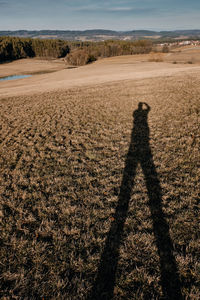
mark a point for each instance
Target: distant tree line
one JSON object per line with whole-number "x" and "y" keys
{"x": 86, "y": 52}
{"x": 12, "y": 48}
{"x": 75, "y": 53}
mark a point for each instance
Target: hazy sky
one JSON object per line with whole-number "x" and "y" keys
{"x": 99, "y": 14}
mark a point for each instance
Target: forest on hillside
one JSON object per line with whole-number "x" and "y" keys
{"x": 76, "y": 53}
{"x": 12, "y": 48}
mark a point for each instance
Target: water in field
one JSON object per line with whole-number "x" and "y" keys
{"x": 14, "y": 77}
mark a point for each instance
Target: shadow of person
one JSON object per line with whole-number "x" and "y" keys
{"x": 139, "y": 153}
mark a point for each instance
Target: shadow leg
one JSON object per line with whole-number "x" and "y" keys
{"x": 104, "y": 285}
{"x": 170, "y": 281}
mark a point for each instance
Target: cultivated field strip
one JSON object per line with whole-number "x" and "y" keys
{"x": 62, "y": 160}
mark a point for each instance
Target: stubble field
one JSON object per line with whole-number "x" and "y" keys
{"x": 85, "y": 215}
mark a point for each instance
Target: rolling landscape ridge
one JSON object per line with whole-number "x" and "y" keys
{"x": 100, "y": 34}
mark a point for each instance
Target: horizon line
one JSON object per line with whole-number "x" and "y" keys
{"x": 101, "y": 29}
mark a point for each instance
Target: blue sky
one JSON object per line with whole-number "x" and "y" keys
{"x": 101, "y": 14}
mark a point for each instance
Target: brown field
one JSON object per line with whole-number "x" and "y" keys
{"x": 31, "y": 66}
{"x": 184, "y": 55}
{"x": 103, "y": 71}
{"x": 100, "y": 199}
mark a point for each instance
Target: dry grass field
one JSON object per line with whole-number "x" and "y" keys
{"x": 184, "y": 55}
{"x": 103, "y": 71}
{"x": 31, "y": 66}
{"x": 99, "y": 192}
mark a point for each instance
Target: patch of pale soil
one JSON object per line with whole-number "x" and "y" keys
{"x": 103, "y": 71}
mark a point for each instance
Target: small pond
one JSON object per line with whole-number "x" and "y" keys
{"x": 14, "y": 77}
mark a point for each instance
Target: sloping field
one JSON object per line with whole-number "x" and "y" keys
{"x": 103, "y": 71}
{"x": 30, "y": 66}
{"x": 188, "y": 54}
{"x": 100, "y": 194}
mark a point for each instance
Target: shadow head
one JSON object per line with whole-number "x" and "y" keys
{"x": 140, "y": 104}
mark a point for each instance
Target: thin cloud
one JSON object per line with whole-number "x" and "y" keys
{"x": 3, "y": 3}
{"x": 120, "y": 9}
{"x": 113, "y": 10}
{"x": 109, "y": 14}
{"x": 132, "y": 10}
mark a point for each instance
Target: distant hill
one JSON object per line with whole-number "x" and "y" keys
{"x": 101, "y": 35}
